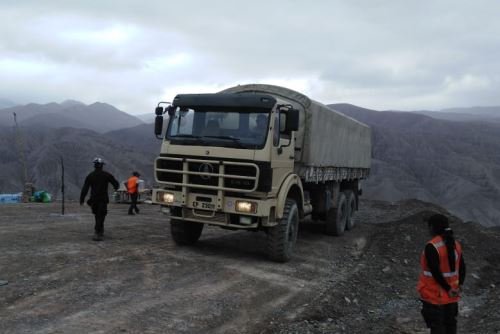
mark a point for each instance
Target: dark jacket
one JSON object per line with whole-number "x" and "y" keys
{"x": 98, "y": 182}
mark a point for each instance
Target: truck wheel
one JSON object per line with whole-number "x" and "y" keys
{"x": 336, "y": 217}
{"x": 351, "y": 209}
{"x": 281, "y": 238}
{"x": 184, "y": 232}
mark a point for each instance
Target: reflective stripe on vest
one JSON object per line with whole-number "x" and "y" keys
{"x": 453, "y": 273}
{"x": 438, "y": 244}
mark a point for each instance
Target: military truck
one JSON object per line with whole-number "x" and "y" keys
{"x": 258, "y": 157}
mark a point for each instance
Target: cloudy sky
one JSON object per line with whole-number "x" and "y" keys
{"x": 380, "y": 54}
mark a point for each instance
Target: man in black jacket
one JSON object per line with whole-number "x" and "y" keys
{"x": 98, "y": 182}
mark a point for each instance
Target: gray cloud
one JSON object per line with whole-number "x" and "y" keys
{"x": 381, "y": 54}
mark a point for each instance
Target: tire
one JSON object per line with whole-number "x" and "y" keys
{"x": 336, "y": 217}
{"x": 351, "y": 209}
{"x": 281, "y": 238}
{"x": 184, "y": 232}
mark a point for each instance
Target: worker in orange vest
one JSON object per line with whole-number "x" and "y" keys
{"x": 132, "y": 185}
{"x": 441, "y": 278}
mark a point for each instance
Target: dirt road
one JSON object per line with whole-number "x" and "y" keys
{"x": 139, "y": 281}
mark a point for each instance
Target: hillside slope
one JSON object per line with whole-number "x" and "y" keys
{"x": 140, "y": 137}
{"x": 44, "y": 147}
{"x": 453, "y": 164}
{"x": 378, "y": 291}
{"x": 100, "y": 117}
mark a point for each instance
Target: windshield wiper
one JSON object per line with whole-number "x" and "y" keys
{"x": 186, "y": 136}
{"x": 234, "y": 139}
{"x": 195, "y": 139}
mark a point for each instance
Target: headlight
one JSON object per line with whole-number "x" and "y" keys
{"x": 244, "y": 206}
{"x": 165, "y": 197}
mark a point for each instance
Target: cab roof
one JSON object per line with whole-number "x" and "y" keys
{"x": 241, "y": 100}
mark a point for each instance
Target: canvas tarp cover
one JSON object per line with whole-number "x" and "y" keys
{"x": 326, "y": 138}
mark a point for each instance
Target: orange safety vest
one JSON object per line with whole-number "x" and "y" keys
{"x": 430, "y": 291}
{"x": 132, "y": 184}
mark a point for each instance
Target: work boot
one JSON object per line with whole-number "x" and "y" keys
{"x": 97, "y": 237}
{"x": 136, "y": 210}
{"x": 131, "y": 213}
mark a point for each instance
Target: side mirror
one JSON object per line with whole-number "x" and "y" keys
{"x": 171, "y": 110}
{"x": 159, "y": 111}
{"x": 158, "y": 126}
{"x": 283, "y": 122}
{"x": 292, "y": 120}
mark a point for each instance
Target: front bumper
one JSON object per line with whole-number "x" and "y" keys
{"x": 214, "y": 210}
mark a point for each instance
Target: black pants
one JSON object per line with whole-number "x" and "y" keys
{"x": 100, "y": 210}
{"x": 133, "y": 204}
{"x": 441, "y": 319}
{"x": 99, "y": 223}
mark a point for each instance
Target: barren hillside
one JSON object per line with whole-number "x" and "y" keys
{"x": 453, "y": 164}
{"x": 44, "y": 148}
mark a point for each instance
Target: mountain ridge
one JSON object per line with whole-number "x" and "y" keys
{"x": 453, "y": 164}
{"x": 98, "y": 116}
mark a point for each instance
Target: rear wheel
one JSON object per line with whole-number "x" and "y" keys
{"x": 351, "y": 209}
{"x": 184, "y": 232}
{"x": 281, "y": 238}
{"x": 336, "y": 217}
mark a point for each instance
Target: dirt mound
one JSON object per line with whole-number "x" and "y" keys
{"x": 378, "y": 294}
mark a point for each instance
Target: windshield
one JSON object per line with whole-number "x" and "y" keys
{"x": 219, "y": 127}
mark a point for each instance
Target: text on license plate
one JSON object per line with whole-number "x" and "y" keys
{"x": 203, "y": 205}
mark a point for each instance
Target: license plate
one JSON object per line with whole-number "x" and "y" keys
{"x": 203, "y": 205}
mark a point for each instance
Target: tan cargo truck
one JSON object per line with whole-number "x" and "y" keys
{"x": 258, "y": 157}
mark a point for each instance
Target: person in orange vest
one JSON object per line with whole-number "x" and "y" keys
{"x": 441, "y": 278}
{"x": 132, "y": 185}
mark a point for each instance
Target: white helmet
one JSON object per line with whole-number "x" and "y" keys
{"x": 98, "y": 162}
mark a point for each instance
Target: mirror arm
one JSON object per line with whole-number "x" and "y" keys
{"x": 280, "y": 149}
{"x": 164, "y": 102}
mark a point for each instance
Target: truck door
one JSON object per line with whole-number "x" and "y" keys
{"x": 282, "y": 151}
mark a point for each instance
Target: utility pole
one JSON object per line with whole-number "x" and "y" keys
{"x": 62, "y": 185}
{"x": 20, "y": 146}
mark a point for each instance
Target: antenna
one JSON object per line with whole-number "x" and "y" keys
{"x": 62, "y": 185}
{"x": 20, "y": 146}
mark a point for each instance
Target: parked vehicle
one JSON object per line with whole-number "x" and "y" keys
{"x": 258, "y": 157}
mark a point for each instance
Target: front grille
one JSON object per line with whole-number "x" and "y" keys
{"x": 207, "y": 176}
{"x": 203, "y": 179}
{"x": 169, "y": 165}
{"x": 239, "y": 183}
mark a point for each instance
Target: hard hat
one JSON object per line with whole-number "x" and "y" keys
{"x": 98, "y": 162}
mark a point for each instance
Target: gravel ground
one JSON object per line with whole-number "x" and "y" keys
{"x": 139, "y": 281}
